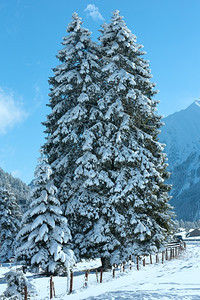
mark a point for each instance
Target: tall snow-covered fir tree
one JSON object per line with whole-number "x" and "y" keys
{"x": 10, "y": 223}
{"x": 43, "y": 239}
{"x": 103, "y": 145}
{"x": 73, "y": 100}
{"x": 121, "y": 206}
{"x": 74, "y": 90}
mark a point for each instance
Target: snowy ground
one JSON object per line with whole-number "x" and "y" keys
{"x": 175, "y": 279}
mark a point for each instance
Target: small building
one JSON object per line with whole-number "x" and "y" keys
{"x": 194, "y": 233}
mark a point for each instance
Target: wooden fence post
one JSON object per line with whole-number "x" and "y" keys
{"x": 51, "y": 287}
{"x": 54, "y": 292}
{"x": 176, "y": 254}
{"x": 130, "y": 262}
{"x": 163, "y": 253}
{"x": 156, "y": 258}
{"x": 151, "y": 259}
{"x": 25, "y": 293}
{"x": 71, "y": 281}
{"x": 120, "y": 267}
{"x": 123, "y": 266}
{"x": 170, "y": 253}
{"x": 113, "y": 269}
{"x": 166, "y": 256}
{"x": 137, "y": 261}
{"x": 86, "y": 278}
{"x": 101, "y": 275}
{"x": 143, "y": 262}
{"x": 97, "y": 276}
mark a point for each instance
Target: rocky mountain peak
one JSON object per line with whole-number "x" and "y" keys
{"x": 181, "y": 134}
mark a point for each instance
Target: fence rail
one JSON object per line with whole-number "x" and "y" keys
{"x": 172, "y": 251}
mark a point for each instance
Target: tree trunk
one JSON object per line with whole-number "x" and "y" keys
{"x": 105, "y": 261}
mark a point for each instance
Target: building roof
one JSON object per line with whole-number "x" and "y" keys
{"x": 195, "y": 232}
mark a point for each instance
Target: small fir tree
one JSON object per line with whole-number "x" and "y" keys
{"x": 10, "y": 223}
{"x": 16, "y": 282}
{"x": 44, "y": 237}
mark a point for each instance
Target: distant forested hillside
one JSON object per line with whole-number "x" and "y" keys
{"x": 18, "y": 187}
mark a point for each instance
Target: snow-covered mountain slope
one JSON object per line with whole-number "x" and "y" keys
{"x": 181, "y": 134}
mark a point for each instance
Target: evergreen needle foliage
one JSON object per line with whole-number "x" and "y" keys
{"x": 44, "y": 235}
{"x": 16, "y": 282}
{"x": 102, "y": 145}
{"x": 10, "y": 223}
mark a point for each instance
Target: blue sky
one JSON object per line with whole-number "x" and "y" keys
{"x": 30, "y": 36}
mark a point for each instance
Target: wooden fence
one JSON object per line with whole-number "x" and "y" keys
{"x": 172, "y": 251}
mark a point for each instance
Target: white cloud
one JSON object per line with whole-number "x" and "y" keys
{"x": 16, "y": 173}
{"x": 93, "y": 11}
{"x": 11, "y": 111}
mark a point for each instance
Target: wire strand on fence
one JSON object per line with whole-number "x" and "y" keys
{"x": 173, "y": 251}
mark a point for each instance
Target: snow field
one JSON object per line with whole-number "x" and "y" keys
{"x": 174, "y": 279}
